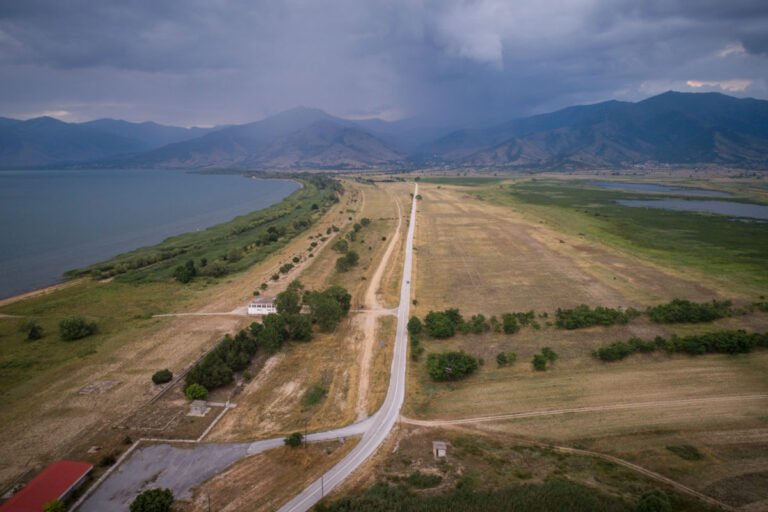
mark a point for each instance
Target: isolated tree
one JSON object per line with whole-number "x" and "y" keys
{"x": 153, "y": 500}
{"x": 294, "y": 440}
{"x": 162, "y": 376}
{"x": 501, "y": 359}
{"x": 539, "y": 362}
{"x": 549, "y": 354}
{"x": 75, "y": 327}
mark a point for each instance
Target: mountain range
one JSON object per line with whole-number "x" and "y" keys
{"x": 671, "y": 128}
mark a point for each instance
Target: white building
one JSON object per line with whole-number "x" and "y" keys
{"x": 262, "y": 306}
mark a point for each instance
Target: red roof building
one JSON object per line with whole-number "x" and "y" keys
{"x": 56, "y": 482}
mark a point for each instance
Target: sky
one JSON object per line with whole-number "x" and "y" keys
{"x": 445, "y": 62}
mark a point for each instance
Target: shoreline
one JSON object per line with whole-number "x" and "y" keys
{"x": 67, "y": 282}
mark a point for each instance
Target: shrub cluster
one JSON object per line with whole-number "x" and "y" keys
{"x": 153, "y": 500}
{"x": 443, "y": 324}
{"x": 328, "y": 307}
{"x": 685, "y": 311}
{"x": 505, "y": 358}
{"x": 75, "y": 327}
{"x": 32, "y": 329}
{"x": 162, "y": 376}
{"x": 540, "y": 361}
{"x": 450, "y": 365}
{"x": 722, "y": 342}
{"x": 584, "y": 316}
{"x": 346, "y": 262}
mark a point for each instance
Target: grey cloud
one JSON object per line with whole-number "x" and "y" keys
{"x": 472, "y": 61}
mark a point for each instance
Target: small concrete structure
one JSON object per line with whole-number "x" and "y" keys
{"x": 198, "y": 408}
{"x": 262, "y": 306}
{"x": 439, "y": 449}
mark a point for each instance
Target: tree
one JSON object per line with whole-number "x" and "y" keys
{"x": 509, "y": 323}
{"x": 153, "y": 500}
{"x": 162, "y": 376}
{"x": 539, "y": 362}
{"x": 340, "y": 246}
{"x": 54, "y": 506}
{"x": 414, "y": 325}
{"x": 326, "y": 312}
{"x": 365, "y": 221}
{"x": 294, "y": 440}
{"x": 182, "y": 274}
{"x": 299, "y": 327}
{"x": 439, "y": 325}
{"x": 549, "y": 354}
{"x": 501, "y": 359}
{"x": 288, "y": 302}
{"x": 654, "y": 501}
{"x": 346, "y": 262}
{"x": 32, "y": 328}
{"x": 450, "y": 365}
{"x": 75, "y": 327}
{"x": 195, "y": 392}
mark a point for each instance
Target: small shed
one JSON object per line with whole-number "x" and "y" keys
{"x": 439, "y": 449}
{"x": 56, "y": 482}
{"x": 262, "y": 306}
{"x": 198, "y": 408}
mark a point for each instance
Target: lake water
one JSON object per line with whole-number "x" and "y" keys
{"x": 54, "y": 221}
{"x": 650, "y": 187}
{"x": 740, "y": 210}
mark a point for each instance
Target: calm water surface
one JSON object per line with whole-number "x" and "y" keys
{"x": 54, "y": 221}
{"x": 650, "y": 187}
{"x": 740, "y": 210}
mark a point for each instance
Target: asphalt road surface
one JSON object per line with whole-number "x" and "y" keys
{"x": 382, "y": 422}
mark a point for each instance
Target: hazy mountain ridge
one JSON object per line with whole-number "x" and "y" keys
{"x": 671, "y": 128}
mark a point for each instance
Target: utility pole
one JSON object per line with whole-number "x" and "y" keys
{"x": 322, "y": 485}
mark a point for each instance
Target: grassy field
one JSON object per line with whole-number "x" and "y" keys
{"x": 267, "y": 480}
{"x": 272, "y": 403}
{"x": 714, "y": 245}
{"x": 45, "y": 417}
{"x": 492, "y": 250}
{"x": 518, "y": 476}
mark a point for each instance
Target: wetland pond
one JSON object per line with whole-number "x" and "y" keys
{"x": 652, "y": 187}
{"x": 731, "y": 209}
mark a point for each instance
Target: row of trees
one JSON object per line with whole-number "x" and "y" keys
{"x": 444, "y": 324}
{"x": 685, "y": 311}
{"x": 584, "y": 316}
{"x": 234, "y": 354}
{"x": 723, "y": 342}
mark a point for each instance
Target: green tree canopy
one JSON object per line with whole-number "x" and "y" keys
{"x": 75, "y": 327}
{"x": 153, "y": 500}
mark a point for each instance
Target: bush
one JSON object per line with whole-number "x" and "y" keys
{"x": 685, "y": 311}
{"x": 153, "y": 500}
{"x": 162, "y": 376}
{"x": 341, "y": 246}
{"x": 275, "y": 277}
{"x": 247, "y": 376}
{"x": 75, "y": 328}
{"x": 33, "y": 330}
{"x": 654, "y": 501}
{"x": 294, "y": 440}
{"x": 501, "y": 359}
{"x": 450, "y": 365}
{"x": 421, "y": 480}
{"x": 347, "y": 261}
{"x": 509, "y": 323}
{"x": 195, "y": 392}
{"x": 54, "y": 506}
{"x": 414, "y": 325}
{"x": 313, "y": 395}
{"x": 107, "y": 460}
{"x": 549, "y": 354}
{"x": 539, "y": 362}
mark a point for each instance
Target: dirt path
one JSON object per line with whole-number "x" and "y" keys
{"x": 597, "y": 408}
{"x": 367, "y": 322}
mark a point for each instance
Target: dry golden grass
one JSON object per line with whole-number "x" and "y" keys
{"x": 267, "y": 480}
{"x": 46, "y": 419}
{"x": 381, "y": 363}
{"x": 489, "y": 259}
{"x": 272, "y": 403}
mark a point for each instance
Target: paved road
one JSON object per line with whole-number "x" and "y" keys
{"x": 184, "y": 466}
{"x": 380, "y": 424}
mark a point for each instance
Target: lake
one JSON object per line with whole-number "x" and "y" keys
{"x": 650, "y": 187}
{"x": 54, "y": 221}
{"x": 740, "y": 210}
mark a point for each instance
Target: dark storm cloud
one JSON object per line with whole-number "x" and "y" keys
{"x": 449, "y": 60}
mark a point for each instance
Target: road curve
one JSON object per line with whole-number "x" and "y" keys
{"x": 380, "y": 424}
